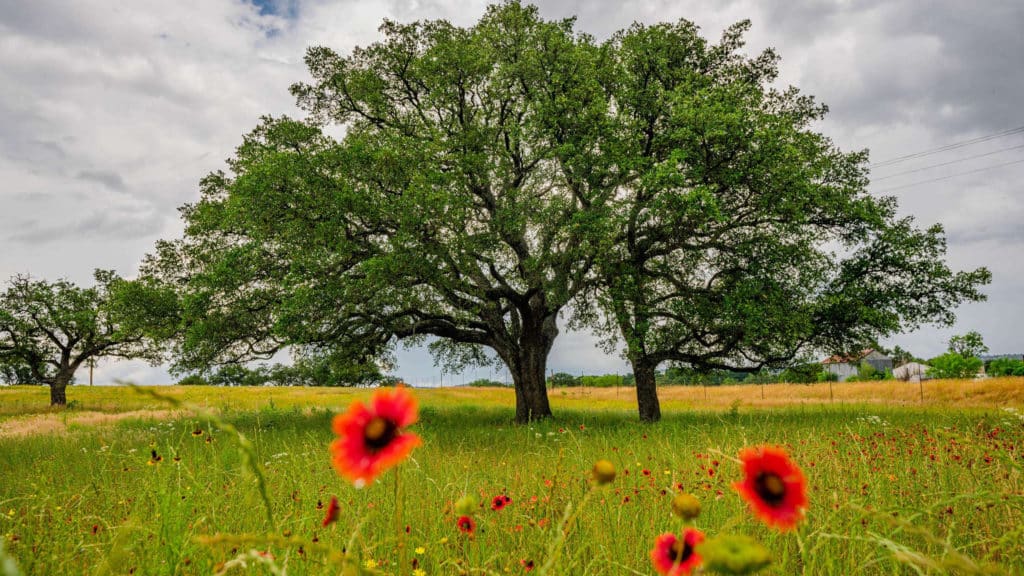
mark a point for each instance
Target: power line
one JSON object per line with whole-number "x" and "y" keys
{"x": 1001, "y": 150}
{"x": 948, "y": 147}
{"x": 994, "y": 166}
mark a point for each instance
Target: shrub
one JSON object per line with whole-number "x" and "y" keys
{"x": 866, "y": 372}
{"x": 953, "y": 365}
{"x": 827, "y": 376}
{"x": 1005, "y": 367}
{"x": 562, "y": 379}
{"x": 801, "y": 373}
{"x": 237, "y": 375}
{"x": 193, "y": 380}
{"x": 762, "y": 377}
{"x": 486, "y": 383}
{"x": 603, "y": 381}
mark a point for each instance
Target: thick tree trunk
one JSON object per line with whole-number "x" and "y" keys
{"x": 531, "y": 388}
{"x": 59, "y": 384}
{"x": 528, "y": 365}
{"x": 646, "y": 390}
{"x": 58, "y": 393}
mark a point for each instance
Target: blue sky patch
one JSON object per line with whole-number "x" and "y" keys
{"x": 284, "y": 8}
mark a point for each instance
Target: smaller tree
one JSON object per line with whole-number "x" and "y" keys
{"x": 48, "y": 330}
{"x": 961, "y": 361}
{"x": 953, "y": 365}
{"x": 900, "y": 356}
{"x": 562, "y": 380}
{"x": 968, "y": 345}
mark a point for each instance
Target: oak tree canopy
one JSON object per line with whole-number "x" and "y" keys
{"x": 489, "y": 178}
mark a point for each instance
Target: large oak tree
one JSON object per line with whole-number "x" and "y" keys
{"x": 743, "y": 238}
{"x": 459, "y": 204}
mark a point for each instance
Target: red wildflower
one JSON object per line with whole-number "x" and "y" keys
{"x": 499, "y": 502}
{"x": 773, "y": 485}
{"x": 677, "y": 557}
{"x": 371, "y": 440}
{"x": 332, "y": 512}
{"x": 466, "y": 524}
{"x": 527, "y": 565}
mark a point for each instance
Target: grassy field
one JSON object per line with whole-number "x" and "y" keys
{"x": 896, "y": 486}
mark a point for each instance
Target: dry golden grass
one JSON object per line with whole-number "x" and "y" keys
{"x": 53, "y": 422}
{"x": 986, "y": 393}
{"x": 24, "y": 409}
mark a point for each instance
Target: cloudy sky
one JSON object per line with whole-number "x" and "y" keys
{"x": 111, "y": 112}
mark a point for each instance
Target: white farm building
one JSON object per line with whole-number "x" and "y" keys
{"x": 846, "y": 366}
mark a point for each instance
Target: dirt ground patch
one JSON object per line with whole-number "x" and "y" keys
{"x": 58, "y": 423}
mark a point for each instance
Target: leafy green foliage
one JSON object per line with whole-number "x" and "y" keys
{"x": 14, "y": 371}
{"x": 805, "y": 373}
{"x": 602, "y": 381}
{"x": 826, "y": 376}
{"x": 900, "y": 356}
{"x": 486, "y": 383}
{"x": 193, "y": 380}
{"x": 868, "y": 372}
{"x": 953, "y": 365}
{"x": 237, "y": 375}
{"x": 970, "y": 344}
{"x": 1005, "y": 367}
{"x": 562, "y": 380}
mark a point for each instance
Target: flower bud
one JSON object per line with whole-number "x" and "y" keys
{"x": 466, "y": 505}
{"x": 604, "y": 472}
{"x": 686, "y": 506}
{"x": 734, "y": 554}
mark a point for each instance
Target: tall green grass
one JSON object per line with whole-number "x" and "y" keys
{"x": 892, "y": 490}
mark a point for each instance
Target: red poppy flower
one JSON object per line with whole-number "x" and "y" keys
{"x": 332, "y": 512}
{"x": 466, "y": 524}
{"x": 499, "y": 502}
{"x": 527, "y": 565}
{"x": 673, "y": 556}
{"x": 774, "y": 486}
{"x": 370, "y": 439}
